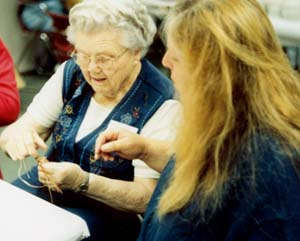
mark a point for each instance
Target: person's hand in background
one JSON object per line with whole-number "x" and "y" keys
{"x": 124, "y": 143}
{"x": 130, "y": 146}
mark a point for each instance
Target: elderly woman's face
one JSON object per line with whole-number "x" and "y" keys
{"x": 105, "y": 64}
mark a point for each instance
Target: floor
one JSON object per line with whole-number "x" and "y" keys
{"x": 9, "y": 167}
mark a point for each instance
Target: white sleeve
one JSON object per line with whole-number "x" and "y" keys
{"x": 162, "y": 126}
{"x": 47, "y": 103}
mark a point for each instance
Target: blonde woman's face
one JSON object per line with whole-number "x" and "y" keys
{"x": 105, "y": 64}
{"x": 173, "y": 60}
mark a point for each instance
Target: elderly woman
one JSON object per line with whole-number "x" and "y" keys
{"x": 238, "y": 148}
{"x": 107, "y": 84}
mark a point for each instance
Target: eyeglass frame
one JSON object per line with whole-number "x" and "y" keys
{"x": 75, "y": 52}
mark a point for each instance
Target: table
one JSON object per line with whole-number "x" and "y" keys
{"x": 25, "y": 217}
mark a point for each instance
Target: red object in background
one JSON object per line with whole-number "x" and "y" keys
{"x": 59, "y": 44}
{"x": 61, "y": 47}
{"x": 60, "y": 21}
{"x": 9, "y": 94}
{"x": 1, "y": 177}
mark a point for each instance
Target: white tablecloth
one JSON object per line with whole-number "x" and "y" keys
{"x": 24, "y": 217}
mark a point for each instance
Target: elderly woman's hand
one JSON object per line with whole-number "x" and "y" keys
{"x": 124, "y": 143}
{"x": 20, "y": 141}
{"x": 65, "y": 175}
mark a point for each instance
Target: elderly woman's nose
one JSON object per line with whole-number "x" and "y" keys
{"x": 92, "y": 66}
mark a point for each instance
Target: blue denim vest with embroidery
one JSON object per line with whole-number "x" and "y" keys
{"x": 150, "y": 90}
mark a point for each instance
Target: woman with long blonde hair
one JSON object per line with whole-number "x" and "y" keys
{"x": 235, "y": 176}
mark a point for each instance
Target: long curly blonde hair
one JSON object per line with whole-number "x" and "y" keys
{"x": 240, "y": 82}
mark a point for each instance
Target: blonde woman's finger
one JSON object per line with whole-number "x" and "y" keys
{"x": 107, "y": 136}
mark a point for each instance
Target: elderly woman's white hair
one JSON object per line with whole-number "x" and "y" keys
{"x": 129, "y": 16}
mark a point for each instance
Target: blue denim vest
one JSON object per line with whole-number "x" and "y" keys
{"x": 150, "y": 90}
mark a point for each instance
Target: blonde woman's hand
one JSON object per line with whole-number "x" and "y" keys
{"x": 124, "y": 143}
{"x": 19, "y": 142}
{"x": 65, "y": 175}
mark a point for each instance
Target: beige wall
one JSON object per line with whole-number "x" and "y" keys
{"x": 12, "y": 35}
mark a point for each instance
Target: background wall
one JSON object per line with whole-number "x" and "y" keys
{"x": 13, "y": 36}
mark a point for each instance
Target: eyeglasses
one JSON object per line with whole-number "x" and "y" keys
{"x": 102, "y": 61}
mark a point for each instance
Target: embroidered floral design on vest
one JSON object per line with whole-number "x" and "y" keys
{"x": 136, "y": 112}
{"x": 69, "y": 109}
{"x": 58, "y": 138}
{"x": 126, "y": 118}
{"x": 92, "y": 157}
{"x": 63, "y": 123}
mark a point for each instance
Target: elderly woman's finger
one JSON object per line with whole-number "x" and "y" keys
{"x": 48, "y": 167}
{"x": 42, "y": 176}
{"x": 46, "y": 180}
{"x": 43, "y": 170}
{"x": 54, "y": 187}
{"x": 41, "y": 180}
{"x": 29, "y": 144}
{"x": 20, "y": 151}
{"x": 39, "y": 141}
{"x": 40, "y": 169}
